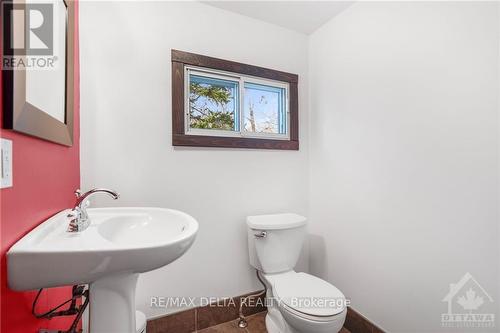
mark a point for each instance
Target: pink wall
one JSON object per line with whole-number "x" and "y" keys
{"x": 45, "y": 176}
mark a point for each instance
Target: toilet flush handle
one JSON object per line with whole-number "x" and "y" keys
{"x": 261, "y": 234}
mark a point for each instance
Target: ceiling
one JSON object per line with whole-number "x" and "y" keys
{"x": 301, "y": 16}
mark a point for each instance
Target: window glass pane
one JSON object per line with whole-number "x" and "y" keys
{"x": 213, "y": 103}
{"x": 264, "y": 109}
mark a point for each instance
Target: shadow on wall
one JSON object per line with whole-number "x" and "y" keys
{"x": 318, "y": 263}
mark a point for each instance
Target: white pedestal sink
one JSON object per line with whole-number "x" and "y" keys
{"x": 119, "y": 244}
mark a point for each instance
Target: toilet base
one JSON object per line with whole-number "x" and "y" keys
{"x": 271, "y": 326}
{"x": 275, "y": 323}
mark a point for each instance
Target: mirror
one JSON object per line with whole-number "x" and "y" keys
{"x": 38, "y": 69}
{"x": 52, "y": 103}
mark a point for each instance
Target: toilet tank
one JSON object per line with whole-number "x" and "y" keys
{"x": 275, "y": 241}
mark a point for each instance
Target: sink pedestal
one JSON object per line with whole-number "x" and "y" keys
{"x": 112, "y": 304}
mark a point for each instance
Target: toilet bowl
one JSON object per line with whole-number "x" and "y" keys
{"x": 297, "y": 302}
{"x": 306, "y": 303}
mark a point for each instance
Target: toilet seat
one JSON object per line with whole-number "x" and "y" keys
{"x": 301, "y": 315}
{"x": 307, "y": 296}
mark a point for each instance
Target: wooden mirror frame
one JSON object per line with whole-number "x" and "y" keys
{"x": 21, "y": 116}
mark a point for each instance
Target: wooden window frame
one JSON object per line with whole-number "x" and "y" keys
{"x": 182, "y": 59}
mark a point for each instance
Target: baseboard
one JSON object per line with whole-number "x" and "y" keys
{"x": 357, "y": 323}
{"x": 194, "y": 319}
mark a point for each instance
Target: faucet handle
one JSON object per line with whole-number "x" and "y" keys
{"x": 79, "y": 217}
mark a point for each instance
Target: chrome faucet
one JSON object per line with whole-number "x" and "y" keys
{"x": 79, "y": 219}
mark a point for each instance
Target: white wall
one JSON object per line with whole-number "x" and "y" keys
{"x": 403, "y": 177}
{"x": 404, "y": 156}
{"x": 126, "y": 135}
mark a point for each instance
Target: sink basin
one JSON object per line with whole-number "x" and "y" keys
{"x": 119, "y": 244}
{"x": 133, "y": 240}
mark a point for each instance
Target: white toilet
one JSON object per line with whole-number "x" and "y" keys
{"x": 297, "y": 302}
{"x": 140, "y": 322}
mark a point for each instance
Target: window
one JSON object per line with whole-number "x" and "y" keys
{"x": 265, "y": 109}
{"x": 219, "y": 103}
{"x": 212, "y": 104}
{"x": 224, "y": 104}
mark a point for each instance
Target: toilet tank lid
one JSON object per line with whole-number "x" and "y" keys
{"x": 276, "y": 221}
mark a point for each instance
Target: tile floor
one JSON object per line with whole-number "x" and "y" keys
{"x": 256, "y": 324}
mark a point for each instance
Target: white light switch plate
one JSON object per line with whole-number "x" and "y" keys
{"x": 6, "y": 167}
